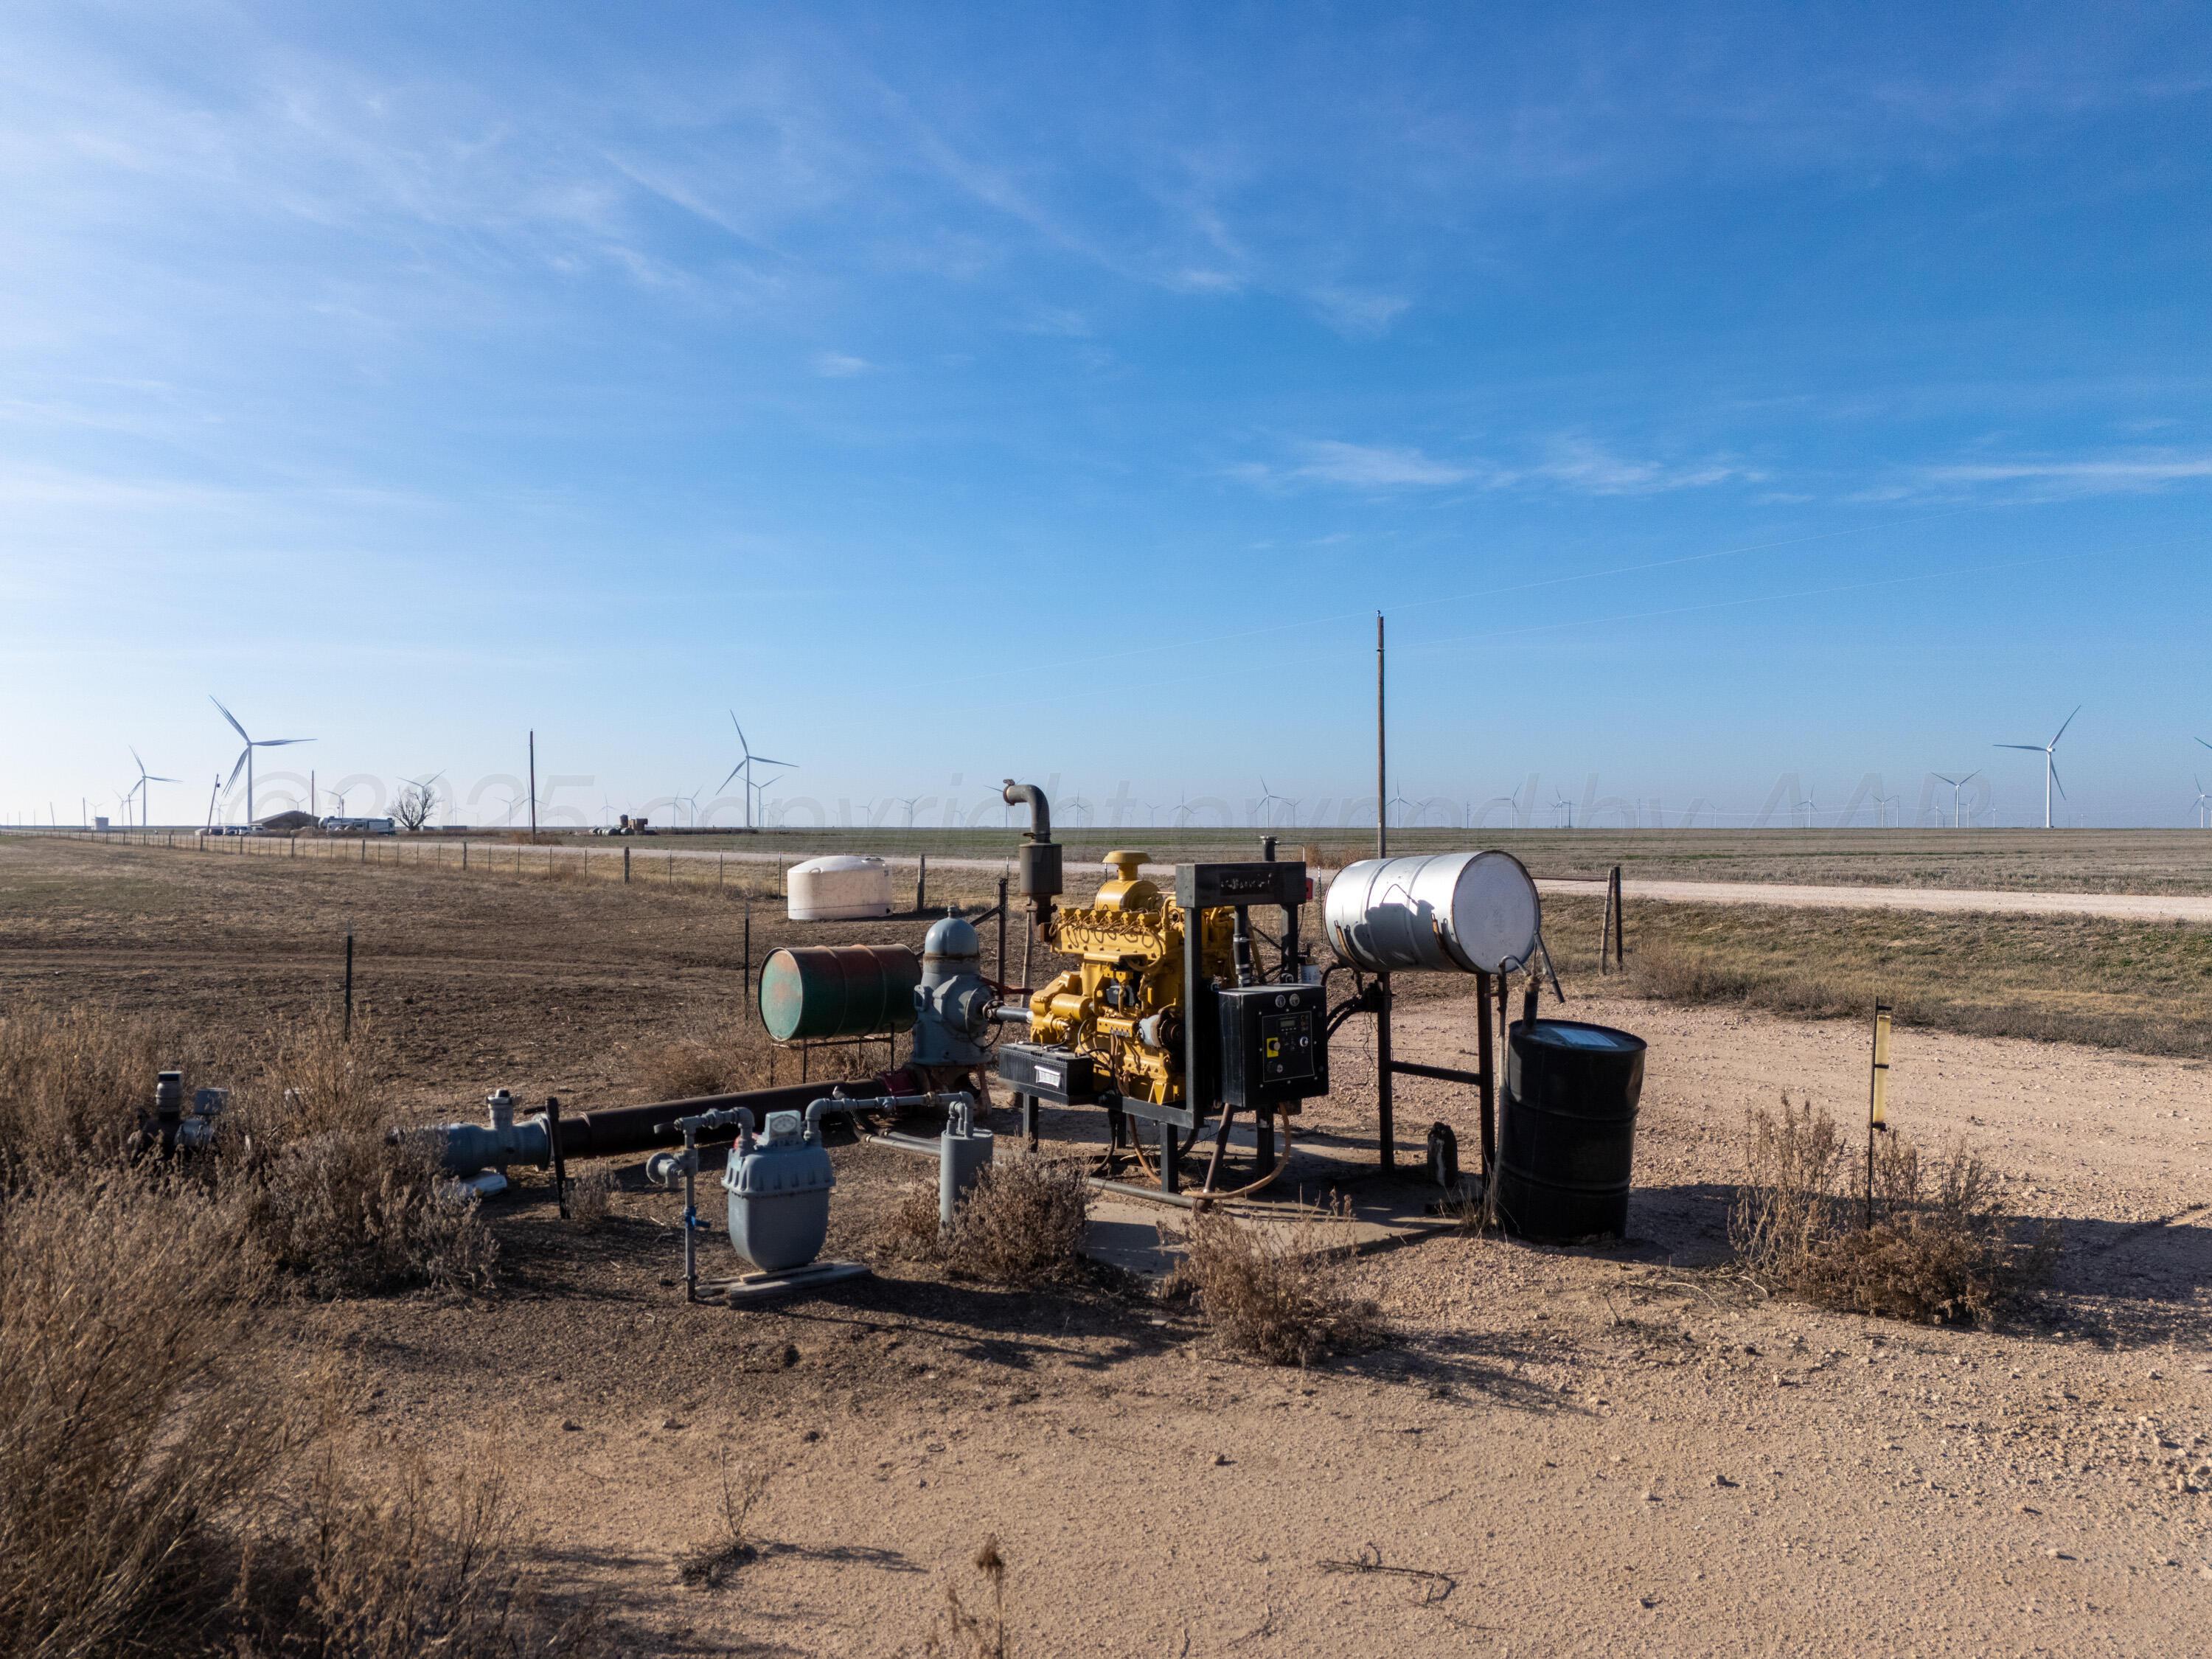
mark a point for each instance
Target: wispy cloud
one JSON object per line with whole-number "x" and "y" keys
{"x": 2099, "y": 476}
{"x": 1580, "y": 465}
{"x": 1350, "y": 311}
{"x": 1576, "y": 465}
{"x": 1377, "y": 466}
{"x": 841, "y": 365}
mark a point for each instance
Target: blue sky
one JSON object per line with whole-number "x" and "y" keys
{"x": 1711, "y": 398}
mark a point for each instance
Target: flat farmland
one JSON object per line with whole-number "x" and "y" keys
{"x": 1565, "y": 1450}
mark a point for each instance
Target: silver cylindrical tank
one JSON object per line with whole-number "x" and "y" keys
{"x": 1449, "y": 913}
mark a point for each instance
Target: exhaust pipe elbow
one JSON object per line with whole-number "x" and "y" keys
{"x": 1038, "y": 871}
{"x": 1028, "y": 794}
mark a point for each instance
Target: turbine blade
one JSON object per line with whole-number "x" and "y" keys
{"x": 2032, "y": 748}
{"x": 734, "y": 770}
{"x": 240, "y": 767}
{"x": 155, "y": 777}
{"x": 2060, "y": 781}
{"x": 2207, "y": 745}
{"x": 2069, "y": 720}
{"x": 278, "y": 743}
{"x": 139, "y": 758}
{"x": 1971, "y": 776}
{"x": 228, "y": 715}
{"x": 762, "y": 760}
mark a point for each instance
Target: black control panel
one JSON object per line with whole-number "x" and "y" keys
{"x": 1274, "y": 1046}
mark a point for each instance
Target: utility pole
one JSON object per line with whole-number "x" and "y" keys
{"x": 1385, "y": 1115}
{"x": 1381, "y": 750}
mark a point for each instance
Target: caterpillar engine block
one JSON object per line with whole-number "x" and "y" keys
{"x": 1122, "y": 1005}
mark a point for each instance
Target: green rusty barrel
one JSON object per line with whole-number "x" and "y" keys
{"x": 816, "y": 990}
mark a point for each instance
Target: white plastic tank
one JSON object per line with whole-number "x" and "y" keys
{"x": 844, "y": 887}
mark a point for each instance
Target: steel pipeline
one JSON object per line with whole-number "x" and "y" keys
{"x": 620, "y": 1131}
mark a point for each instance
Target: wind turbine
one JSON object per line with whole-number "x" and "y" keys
{"x": 908, "y": 802}
{"x": 1559, "y": 802}
{"x": 246, "y": 756}
{"x": 1880, "y": 817}
{"x": 2199, "y": 804}
{"x": 139, "y": 788}
{"x": 760, "y": 790}
{"x": 2048, "y": 751}
{"x": 1267, "y": 797}
{"x": 746, "y": 767}
{"x": 1398, "y": 798}
{"x": 1957, "y": 784}
{"x": 1812, "y": 805}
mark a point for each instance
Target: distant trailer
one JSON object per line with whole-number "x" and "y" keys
{"x": 361, "y": 827}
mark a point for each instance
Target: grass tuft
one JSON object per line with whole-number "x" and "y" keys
{"x": 710, "y": 1564}
{"x": 131, "y": 1428}
{"x": 591, "y": 1195}
{"x": 1021, "y": 1223}
{"x": 962, "y": 1634}
{"x": 1939, "y": 1250}
{"x": 1278, "y": 1293}
{"x": 72, "y": 1083}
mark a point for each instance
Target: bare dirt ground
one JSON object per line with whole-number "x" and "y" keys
{"x": 1569, "y": 1451}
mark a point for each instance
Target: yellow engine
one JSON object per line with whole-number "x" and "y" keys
{"x": 1123, "y": 1005}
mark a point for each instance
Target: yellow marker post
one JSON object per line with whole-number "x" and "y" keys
{"x": 1877, "y": 1096}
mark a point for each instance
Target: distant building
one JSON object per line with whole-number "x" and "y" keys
{"x": 336, "y": 826}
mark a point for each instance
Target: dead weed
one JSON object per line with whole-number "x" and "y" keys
{"x": 1279, "y": 1293}
{"x": 709, "y": 1565}
{"x": 1915, "y": 1238}
{"x": 1021, "y": 1223}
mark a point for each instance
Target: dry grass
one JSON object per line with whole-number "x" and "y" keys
{"x": 2144, "y": 986}
{"x": 315, "y": 1080}
{"x": 336, "y": 1207}
{"x": 301, "y": 1166}
{"x": 1939, "y": 1250}
{"x": 591, "y": 1195}
{"x": 1278, "y": 1293}
{"x": 909, "y": 1231}
{"x": 132, "y": 1431}
{"x": 1021, "y": 1223}
{"x": 710, "y": 1564}
{"x": 347, "y": 1215}
{"x": 419, "y": 1559}
{"x": 164, "y": 1490}
{"x": 962, "y": 1634}
{"x": 725, "y": 1055}
{"x": 72, "y": 1083}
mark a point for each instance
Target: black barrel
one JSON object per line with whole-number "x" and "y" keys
{"x": 1566, "y": 1138}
